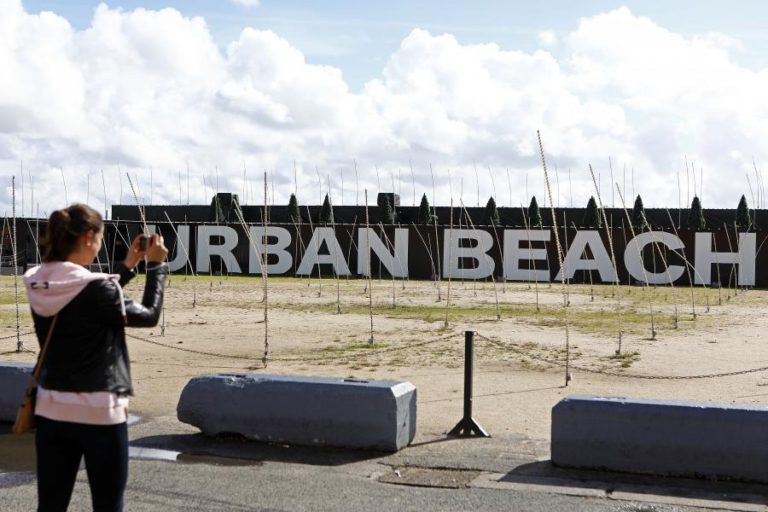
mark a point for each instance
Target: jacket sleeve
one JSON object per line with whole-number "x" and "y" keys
{"x": 137, "y": 314}
{"x": 125, "y": 274}
{"x": 147, "y": 313}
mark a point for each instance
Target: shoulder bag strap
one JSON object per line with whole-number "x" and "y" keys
{"x": 36, "y": 371}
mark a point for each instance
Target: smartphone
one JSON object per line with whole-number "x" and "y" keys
{"x": 143, "y": 243}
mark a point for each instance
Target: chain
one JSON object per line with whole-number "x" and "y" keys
{"x": 617, "y": 374}
{"x": 12, "y": 336}
{"x": 192, "y": 351}
{"x": 366, "y": 352}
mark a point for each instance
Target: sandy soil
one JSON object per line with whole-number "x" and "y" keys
{"x": 217, "y": 324}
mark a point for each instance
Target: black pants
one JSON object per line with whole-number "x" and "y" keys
{"x": 60, "y": 447}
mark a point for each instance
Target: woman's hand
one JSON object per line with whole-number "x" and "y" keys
{"x": 135, "y": 253}
{"x": 156, "y": 249}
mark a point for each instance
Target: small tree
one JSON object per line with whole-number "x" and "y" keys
{"x": 696, "y": 215}
{"x": 592, "y": 214}
{"x": 743, "y": 219}
{"x": 425, "y": 214}
{"x": 293, "y": 210}
{"x": 387, "y": 212}
{"x": 492, "y": 216}
{"x": 326, "y": 212}
{"x": 638, "y": 213}
{"x": 534, "y": 215}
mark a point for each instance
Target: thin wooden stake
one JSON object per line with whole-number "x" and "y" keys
{"x": 560, "y": 260}
{"x": 19, "y": 343}
{"x": 450, "y": 274}
{"x": 368, "y": 257}
{"x": 609, "y": 235}
{"x": 265, "y": 274}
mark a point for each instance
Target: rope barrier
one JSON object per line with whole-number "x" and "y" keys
{"x": 13, "y": 336}
{"x": 183, "y": 349}
{"x": 521, "y": 352}
{"x": 501, "y": 344}
{"x": 365, "y": 352}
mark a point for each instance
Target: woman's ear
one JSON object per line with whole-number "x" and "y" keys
{"x": 88, "y": 238}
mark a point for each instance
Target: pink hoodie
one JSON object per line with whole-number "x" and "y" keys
{"x": 51, "y": 286}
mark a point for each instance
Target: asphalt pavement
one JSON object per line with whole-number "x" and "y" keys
{"x": 175, "y": 468}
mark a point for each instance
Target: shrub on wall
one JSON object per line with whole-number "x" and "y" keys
{"x": 743, "y": 219}
{"x": 696, "y": 215}
{"x": 293, "y": 210}
{"x": 425, "y": 213}
{"x": 638, "y": 213}
{"x": 534, "y": 214}
{"x": 592, "y": 214}
{"x": 492, "y": 216}
{"x": 326, "y": 212}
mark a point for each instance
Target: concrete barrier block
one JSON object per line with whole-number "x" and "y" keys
{"x": 14, "y": 379}
{"x": 377, "y": 415}
{"x": 673, "y": 438}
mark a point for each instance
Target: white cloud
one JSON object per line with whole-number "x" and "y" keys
{"x": 547, "y": 38}
{"x": 246, "y": 3}
{"x": 680, "y": 94}
{"x": 148, "y": 89}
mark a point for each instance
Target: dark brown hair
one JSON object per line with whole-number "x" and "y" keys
{"x": 64, "y": 229}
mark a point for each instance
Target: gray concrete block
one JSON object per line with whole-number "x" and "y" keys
{"x": 377, "y": 415}
{"x": 675, "y": 438}
{"x": 14, "y": 379}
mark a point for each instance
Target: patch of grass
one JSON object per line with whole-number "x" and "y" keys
{"x": 623, "y": 359}
{"x": 8, "y": 317}
{"x": 425, "y": 313}
{"x": 355, "y": 346}
{"x": 9, "y": 296}
{"x": 368, "y": 346}
{"x": 604, "y": 322}
{"x": 595, "y": 321}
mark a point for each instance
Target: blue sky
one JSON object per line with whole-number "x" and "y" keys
{"x": 358, "y": 37}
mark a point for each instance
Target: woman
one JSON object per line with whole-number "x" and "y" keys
{"x": 85, "y": 379}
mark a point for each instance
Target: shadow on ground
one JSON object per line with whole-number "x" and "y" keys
{"x": 544, "y": 473}
{"x": 226, "y": 450}
{"x": 17, "y": 457}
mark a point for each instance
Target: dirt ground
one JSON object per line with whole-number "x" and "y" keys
{"x": 323, "y": 327}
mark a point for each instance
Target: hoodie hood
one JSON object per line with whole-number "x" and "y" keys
{"x": 51, "y": 286}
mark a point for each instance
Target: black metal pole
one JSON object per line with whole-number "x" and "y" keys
{"x": 468, "y": 366}
{"x": 467, "y": 426}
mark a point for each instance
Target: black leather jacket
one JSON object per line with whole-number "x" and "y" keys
{"x": 87, "y": 350}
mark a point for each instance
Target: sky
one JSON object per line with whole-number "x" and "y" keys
{"x": 663, "y": 99}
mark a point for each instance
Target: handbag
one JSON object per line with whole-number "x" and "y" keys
{"x": 25, "y": 416}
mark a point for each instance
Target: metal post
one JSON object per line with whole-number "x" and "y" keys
{"x": 467, "y": 426}
{"x": 469, "y": 353}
